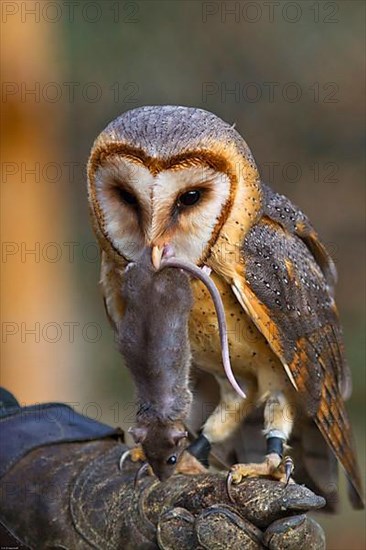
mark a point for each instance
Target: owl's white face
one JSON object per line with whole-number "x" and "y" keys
{"x": 180, "y": 206}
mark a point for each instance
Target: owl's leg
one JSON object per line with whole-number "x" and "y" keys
{"x": 278, "y": 422}
{"x": 227, "y": 416}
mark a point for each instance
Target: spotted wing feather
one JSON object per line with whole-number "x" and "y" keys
{"x": 287, "y": 290}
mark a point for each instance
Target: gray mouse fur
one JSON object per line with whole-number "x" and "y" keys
{"x": 153, "y": 339}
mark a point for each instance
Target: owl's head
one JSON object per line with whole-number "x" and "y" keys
{"x": 169, "y": 175}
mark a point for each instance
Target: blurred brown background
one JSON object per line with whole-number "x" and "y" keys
{"x": 289, "y": 74}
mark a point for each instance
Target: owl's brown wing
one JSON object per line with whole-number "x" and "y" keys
{"x": 287, "y": 290}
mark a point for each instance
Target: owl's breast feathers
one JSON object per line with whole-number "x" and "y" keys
{"x": 285, "y": 284}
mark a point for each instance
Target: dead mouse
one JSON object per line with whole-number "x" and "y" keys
{"x": 153, "y": 339}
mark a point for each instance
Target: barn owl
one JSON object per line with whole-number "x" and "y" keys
{"x": 175, "y": 176}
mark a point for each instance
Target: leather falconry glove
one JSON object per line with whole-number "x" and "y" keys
{"x": 61, "y": 488}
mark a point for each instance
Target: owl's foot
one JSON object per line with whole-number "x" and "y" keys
{"x": 136, "y": 454}
{"x": 189, "y": 464}
{"x": 273, "y": 467}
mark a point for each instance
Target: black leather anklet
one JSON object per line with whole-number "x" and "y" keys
{"x": 275, "y": 445}
{"x": 200, "y": 448}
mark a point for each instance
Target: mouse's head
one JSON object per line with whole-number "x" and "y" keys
{"x": 163, "y": 444}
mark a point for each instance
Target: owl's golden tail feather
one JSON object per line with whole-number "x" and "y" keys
{"x": 333, "y": 422}
{"x": 344, "y": 450}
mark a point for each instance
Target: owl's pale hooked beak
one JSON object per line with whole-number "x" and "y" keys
{"x": 159, "y": 252}
{"x": 156, "y": 255}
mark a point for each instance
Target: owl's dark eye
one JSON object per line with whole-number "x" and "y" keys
{"x": 189, "y": 198}
{"x": 127, "y": 197}
{"x": 172, "y": 460}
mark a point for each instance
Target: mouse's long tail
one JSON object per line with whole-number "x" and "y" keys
{"x": 219, "y": 307}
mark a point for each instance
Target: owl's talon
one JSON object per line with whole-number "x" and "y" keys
{"x": 140, "y": 472}
{"x": 229, "y": 482}
{"x": 123, "y": 459}
{"x": 136, "y": 454}
{"x": 288, "y": 465}
{"x": 233, "y": 477}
